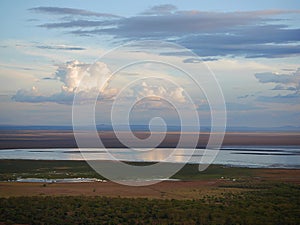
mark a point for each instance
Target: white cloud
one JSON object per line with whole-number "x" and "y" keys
{"x": 177, "y": 94}
{"x": 83, "y": 77}
{"x": 85, "y": 80}
{"x": 91, "y": 81}
{"x": 158, "y": 92}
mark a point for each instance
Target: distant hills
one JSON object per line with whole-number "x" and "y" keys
{"x": 107, "y": 127}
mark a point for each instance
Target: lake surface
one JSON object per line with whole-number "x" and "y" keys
{"x": 242, "y": 156}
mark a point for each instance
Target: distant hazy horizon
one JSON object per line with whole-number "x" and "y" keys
{"x": 145, "y": 127}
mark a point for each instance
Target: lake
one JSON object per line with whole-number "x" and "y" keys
{"x": 241, "y": 156}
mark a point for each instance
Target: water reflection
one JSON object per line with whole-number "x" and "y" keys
{"x": 250, "y": 156}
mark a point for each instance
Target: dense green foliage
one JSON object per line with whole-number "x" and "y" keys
{"x": 278, "y": 204}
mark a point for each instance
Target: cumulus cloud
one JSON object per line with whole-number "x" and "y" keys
{"x": 158, "y": 92}
{"x": 287, "y": 82}
{"x": 85, "y": 80}
{"x": 34, "y": 96}
{"x": 83, "y": 77}
{"x": 89, "y": 81}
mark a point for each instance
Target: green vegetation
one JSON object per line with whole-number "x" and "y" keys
{"x": 277, "y": 204}
{"x": 54, "y": 169}
{"x": 243, "y": 196}
{"x": 48, "y": 169}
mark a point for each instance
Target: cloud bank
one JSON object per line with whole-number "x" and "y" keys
{"x": 250, "y": 34}
{"x": 288, "y": 82}
{"x": 90, "y": 81}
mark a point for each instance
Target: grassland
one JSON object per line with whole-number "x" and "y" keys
{"x": 268, "y": 204}
{"x": 55, "y": 169}
{"x": 218, "y": 195}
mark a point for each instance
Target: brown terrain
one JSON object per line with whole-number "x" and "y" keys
{"x": 164, "y": 190}
{"x": 65, "y": 139}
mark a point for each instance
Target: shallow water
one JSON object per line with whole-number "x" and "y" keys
{"x": 64, "y": 180}
{"x": 243, "y": 156}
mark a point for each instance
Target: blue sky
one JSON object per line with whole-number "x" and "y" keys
{"x": 252, "y": 47}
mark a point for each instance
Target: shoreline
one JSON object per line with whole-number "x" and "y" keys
{"x": 287, "y": 167}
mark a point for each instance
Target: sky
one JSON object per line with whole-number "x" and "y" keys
{"x": 52, "y": 50}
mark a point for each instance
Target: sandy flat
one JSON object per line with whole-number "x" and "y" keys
{"x": 65, "y": 139}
